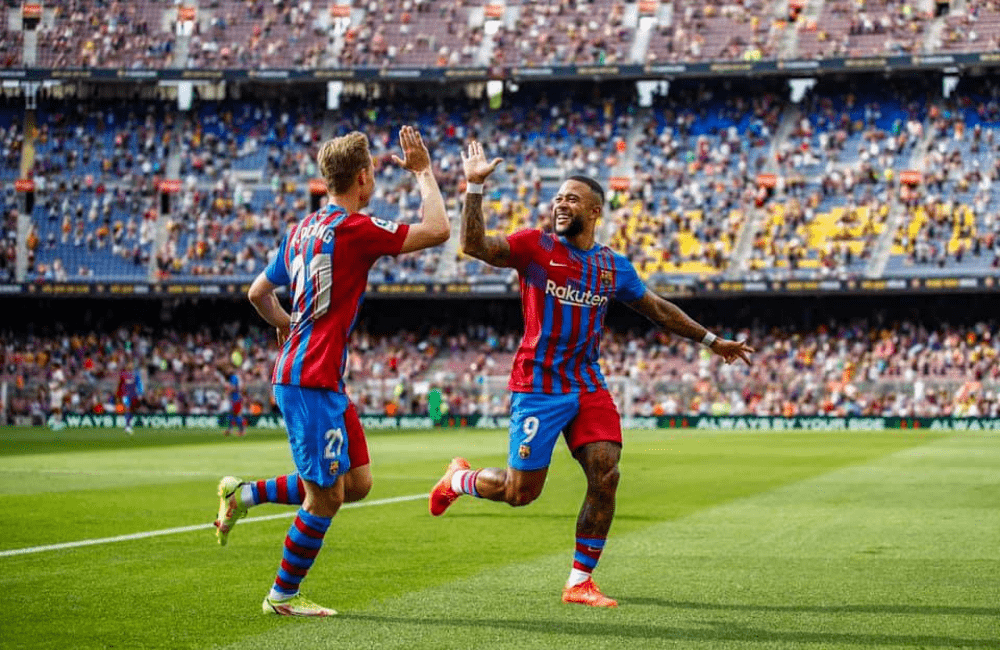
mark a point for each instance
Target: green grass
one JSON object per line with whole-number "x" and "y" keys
{"x": 722, "y": 540}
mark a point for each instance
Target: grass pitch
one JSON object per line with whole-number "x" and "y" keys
{"x": 742, "y": 540}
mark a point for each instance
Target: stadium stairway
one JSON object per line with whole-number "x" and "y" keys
{"x": 447, "y": 268}
{"x": 484, "y": 55}
{"x": 24, "y": 219}
{"x": 643, "y": 32}
{"x": 29, "y": 47}
{"x": 897, "y": 211}
{"x": 809, "y": 15}
{"x": 739, "y": 260}
{"x": 182, "y": 42}
{"x": 21, "y": 263}
{"x": 936, "y": 28}
{"x": 28, "y": 146}
{"x": 626, "y": 161}
{"x": 789, "y": 41}
{"x": 173, "y": 171}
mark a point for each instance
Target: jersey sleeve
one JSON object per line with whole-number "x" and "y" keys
{"x": 378, "y": 237}
{"x": 630, "y": 286}
{"x": 276, "y": 271}
{"x": 522, "y": 244}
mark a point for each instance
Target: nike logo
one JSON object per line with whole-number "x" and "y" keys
{"x": 553, "y": 263}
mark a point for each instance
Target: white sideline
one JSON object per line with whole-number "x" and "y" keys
{"x": 188, "y": 529}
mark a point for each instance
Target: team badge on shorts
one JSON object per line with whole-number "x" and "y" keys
{"x": 524, "y": 451}
{"x": 334, "y": 466}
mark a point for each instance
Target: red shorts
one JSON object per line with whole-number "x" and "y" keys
{"x": 597, "y": 421}
{"x": 357, "y": 445}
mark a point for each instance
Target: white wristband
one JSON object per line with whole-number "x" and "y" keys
{"x": 709, "y": 339}
{"x": 473, "y": 188}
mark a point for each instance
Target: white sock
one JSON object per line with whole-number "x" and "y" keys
{"x": 457, "y": 478}
{"x": 576, "y": 576}
{"x": 245, "y": 496}
{"x": 279, "y": 597}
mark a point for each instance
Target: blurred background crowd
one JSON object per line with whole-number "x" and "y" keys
{"x": 861, "y": 365}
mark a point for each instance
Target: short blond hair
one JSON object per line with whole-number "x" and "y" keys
{"x": 341, "y": 159}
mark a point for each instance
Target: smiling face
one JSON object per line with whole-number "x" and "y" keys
{"x": 574, "y": 209}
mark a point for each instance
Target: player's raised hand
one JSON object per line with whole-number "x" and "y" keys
{"x": 732, "y": 350}
{"x": 476, "y": 167}
{"x": 416, "y": 158}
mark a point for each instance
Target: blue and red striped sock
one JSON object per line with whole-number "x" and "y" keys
{"x": 288, "y": 490}
{"x": 302, "y": 545}
{"x": 588, "y": 552}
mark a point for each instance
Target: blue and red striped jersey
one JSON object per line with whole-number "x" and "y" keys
{"x": 564, "y": 298}
{"x": 235, "y": 387}
{"x": 129, "y": 384}
{"x": 324, "y": 259}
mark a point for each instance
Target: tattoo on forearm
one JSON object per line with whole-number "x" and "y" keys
{"x": 473, "y": 228}
{"x": 492, "y": 250}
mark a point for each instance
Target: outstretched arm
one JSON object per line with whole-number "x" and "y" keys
{"x": 494, "y": 249}
{"x": 672, "y": 318}
{"x": 434, "y": 228}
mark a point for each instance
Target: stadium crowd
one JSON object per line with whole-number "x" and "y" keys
{"x": 840, "y": 368}
{"x": 692, "y": 162}
{"x": 692, "y": 203}
{"x": 148, "y": 34}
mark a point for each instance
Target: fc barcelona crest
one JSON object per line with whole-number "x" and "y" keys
{"x": 607, "y": 278}
{"x": 334, "y": 467}
{"x": 524, "y": 451}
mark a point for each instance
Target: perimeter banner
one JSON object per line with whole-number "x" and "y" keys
{"x": 691, "y": 422}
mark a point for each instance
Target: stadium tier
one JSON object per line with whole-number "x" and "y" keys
{"x": 226, "y": 34}
{"x": 720, "y": 180}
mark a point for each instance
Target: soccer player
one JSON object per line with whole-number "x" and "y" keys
{"x": 567, "y": 281}
{"x": 57, "y": 394}
{"x": 236, "y": 417}
{"x": 325, "y": 260}
{"x": 129, "y": 391}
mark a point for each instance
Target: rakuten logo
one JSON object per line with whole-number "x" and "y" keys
{"x": 571, "y": 296}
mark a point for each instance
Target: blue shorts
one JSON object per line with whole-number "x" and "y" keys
{"x": 317, "y": 433}
{"x": 537, "y": 419}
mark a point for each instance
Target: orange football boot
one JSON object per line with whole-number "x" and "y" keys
{"x": 442, "y": 495}
{"x": 587, "y": 593}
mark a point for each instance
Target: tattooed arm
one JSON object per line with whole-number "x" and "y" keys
{"x": 493, "y": 250}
